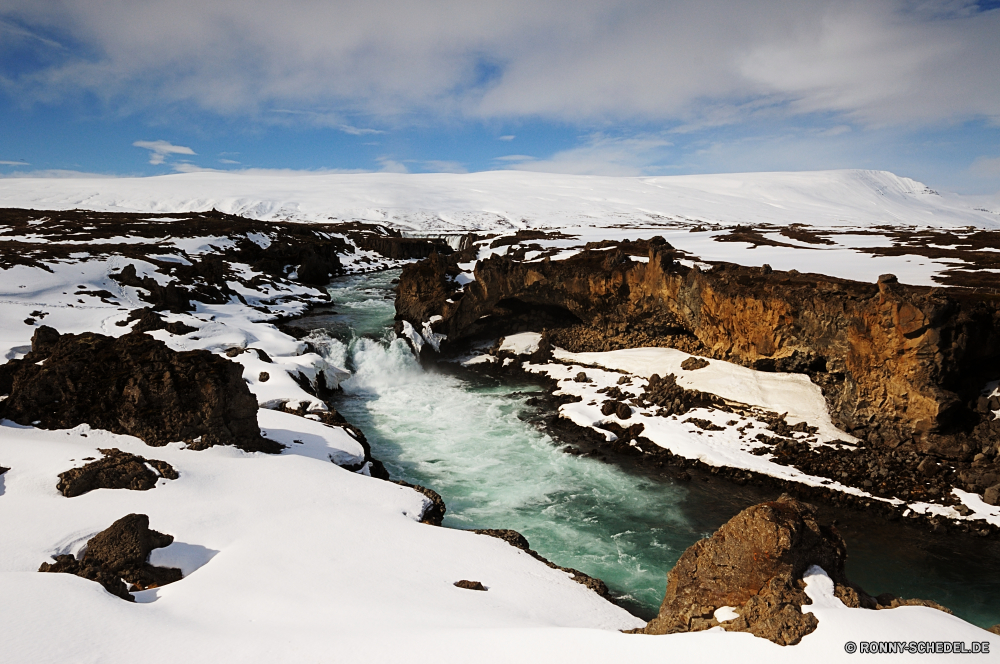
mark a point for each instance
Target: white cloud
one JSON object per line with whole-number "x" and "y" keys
{"x": 326, "y": 119}
{"x": 835, "y": 131}
{"x": 508, "y": 137}
{"x": 160, "y": 150}
{"x": 515, "y": 157}
{"x": 228, "y": 161}
{"x": 690, "y": 61}
{"x": 14, "y": 163}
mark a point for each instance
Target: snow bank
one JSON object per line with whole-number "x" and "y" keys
{"x": 523, "y": 343}
{"x": 788, "y": 393}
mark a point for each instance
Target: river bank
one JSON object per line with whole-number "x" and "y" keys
{"x": 485, "y": 443}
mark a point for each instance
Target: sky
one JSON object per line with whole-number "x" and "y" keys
{"x": 608, "y": 87}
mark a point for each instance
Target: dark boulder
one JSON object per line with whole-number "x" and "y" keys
{"x": 121, "y": 552}
{"x": 116, "y": 470}
{"x": 132, "y": 385}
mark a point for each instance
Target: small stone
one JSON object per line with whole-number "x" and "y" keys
{"x": 992, "y": 495}
{"x": 470, "y": 585}
{"x": 264, "y": 377}
{"x": 694, "y": 363}
{"x": 581, "y": 378}
{"x": 928, "y": 467}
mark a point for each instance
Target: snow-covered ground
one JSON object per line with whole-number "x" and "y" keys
{"x": 291, "y": 558}
{"x": 586, "y": 208}
{"x": 504, "y": 200}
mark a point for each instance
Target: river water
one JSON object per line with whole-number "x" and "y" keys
{"x": 466, "y": 436}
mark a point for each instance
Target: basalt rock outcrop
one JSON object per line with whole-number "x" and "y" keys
{"x": 115, "y": 470}
{"x": 120, "y": 555}
{"x": 132, "y": 385}
{"x": 754, "y": 564}
{"x": 900, "y": 366}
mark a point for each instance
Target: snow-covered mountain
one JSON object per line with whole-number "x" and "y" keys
{"x": 504, "y": 200}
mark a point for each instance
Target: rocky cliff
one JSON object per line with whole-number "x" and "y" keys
{"x": 899, "y": 365}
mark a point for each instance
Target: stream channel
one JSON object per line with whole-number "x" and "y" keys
{"x": 469, "y": 437}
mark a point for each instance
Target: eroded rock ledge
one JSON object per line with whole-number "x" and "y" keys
{"x": 903, "y": 368}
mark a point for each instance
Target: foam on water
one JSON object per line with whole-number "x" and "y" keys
{"x": 496, "y": 471}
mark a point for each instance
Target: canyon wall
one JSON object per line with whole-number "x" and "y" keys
{"x": 898, "y": 364}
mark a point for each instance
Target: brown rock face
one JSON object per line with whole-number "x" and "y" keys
{"x": 895, "y": 362}
{"x": 132, "y": 385}
{"x": 120, "y": 552}
{"x": 754, "y": 563}
{"x": 116, "y": 470}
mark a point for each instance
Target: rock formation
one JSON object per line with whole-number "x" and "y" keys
{"x": 116, "y": 470}
{"x": 132, "y": 385}
{"x": 754, "y": 564}
{"x": 121, "y": 552}
{"x": 900, "y": 366}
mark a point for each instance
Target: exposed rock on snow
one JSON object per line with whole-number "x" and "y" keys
{"x": 116, "y": 470}
{"x": 148, "y": 321}
{"x": 434, "y": 509}
{"x": 121, "y": 552}
{"x": 470, "y": 585}
{"x": 133, "y": 384}
{"x": 694, "y": 363}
